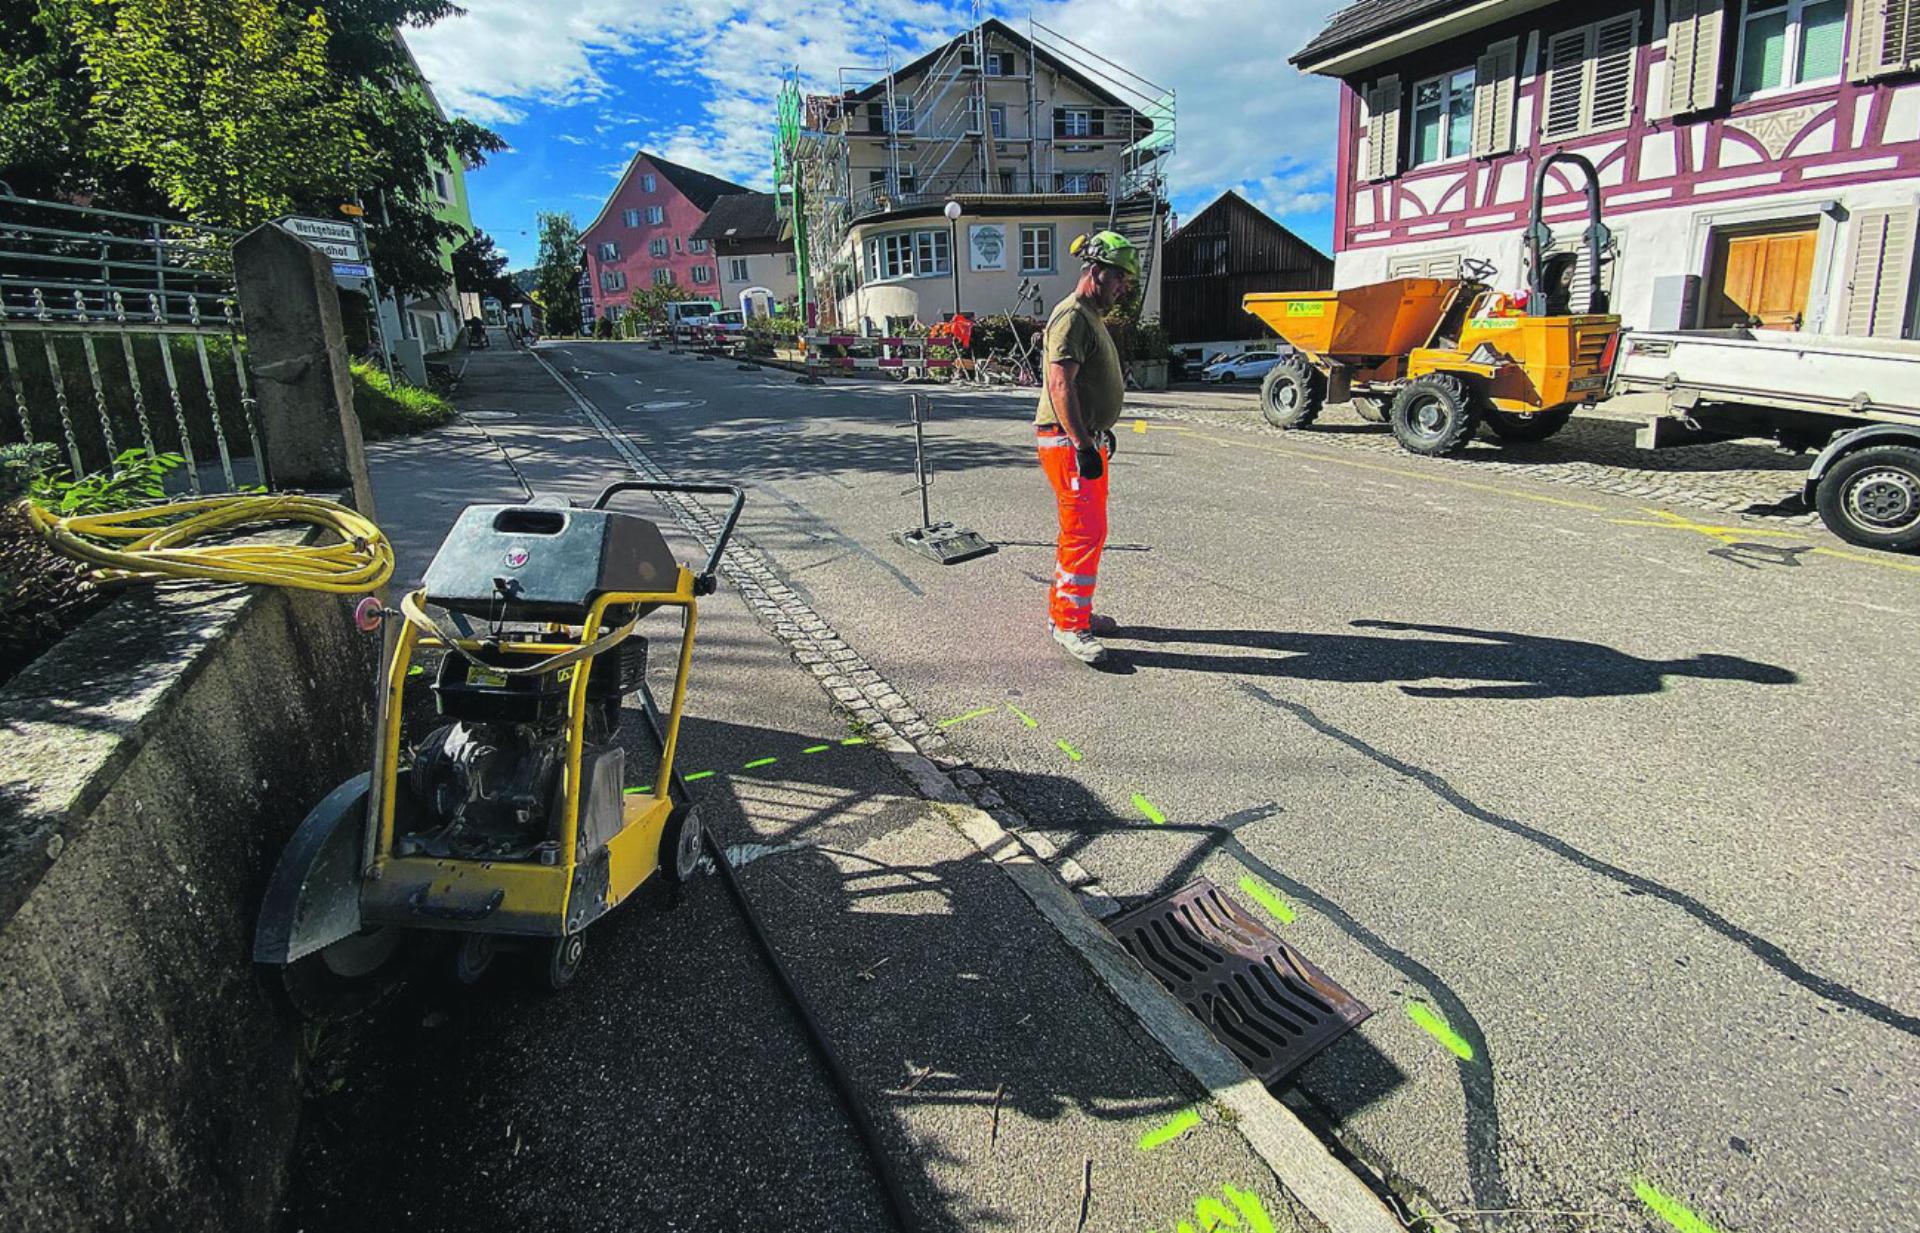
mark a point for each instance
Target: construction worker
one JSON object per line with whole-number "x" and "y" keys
{"x": 1081, "y": 390}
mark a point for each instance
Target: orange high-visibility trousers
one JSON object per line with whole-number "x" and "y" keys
{"x": 1083, "y": 532}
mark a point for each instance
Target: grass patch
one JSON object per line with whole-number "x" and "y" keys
{"x": 389, "y": 409}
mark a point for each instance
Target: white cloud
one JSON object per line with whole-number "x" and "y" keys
{"x": 1246, "y": 117}
{"x": 571, "y": 140}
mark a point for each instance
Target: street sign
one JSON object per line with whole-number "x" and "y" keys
{"x": 352, "y": 269}
{"x": 340, "y": 241}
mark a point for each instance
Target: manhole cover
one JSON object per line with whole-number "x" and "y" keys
{"x": 667, "y": 404}
{"x": 1257, "y": 994}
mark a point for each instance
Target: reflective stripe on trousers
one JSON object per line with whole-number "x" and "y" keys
{"x": 1083, "y": 533}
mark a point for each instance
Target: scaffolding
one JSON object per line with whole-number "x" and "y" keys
{"x": 944, "y": 126}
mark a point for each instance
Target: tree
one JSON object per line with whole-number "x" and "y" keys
{"x": 480, "y": 267}
{"x": 557, "y": 273}
{"x": 650, "y": 303}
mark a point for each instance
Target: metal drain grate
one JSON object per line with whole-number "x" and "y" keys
{"x": 1257, "y": 994}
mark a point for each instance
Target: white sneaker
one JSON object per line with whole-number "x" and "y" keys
{"x": 1082, "y": 645}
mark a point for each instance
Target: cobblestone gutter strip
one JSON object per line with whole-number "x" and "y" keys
{"x": 1338, "y": 1199}
{"x": 1721, "y": 478}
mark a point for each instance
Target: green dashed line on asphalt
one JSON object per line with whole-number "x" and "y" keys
{"x": 1167, "y": 1132}
{"x": 699, "y": 775}
{"x": 1437, "y": 1028}
{"x": 1022, "y": 716}
{"x": 960, "y": 719}
{"x": 1070, "y": 751}
{"x": 816, "y": 749}
{"x": 854, "y": 740}
{"x": 642, "y": 790}
{"x": 1148, "y": 811}
{"x": 1670, "y": 1209}
{"x": 760, "y": 762}
{"x": 1269, "y": 899}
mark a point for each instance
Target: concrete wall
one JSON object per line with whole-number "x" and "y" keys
{"x": 156, "y": 761}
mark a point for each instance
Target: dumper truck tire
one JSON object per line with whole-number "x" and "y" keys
{"x": 1516, "y": 429}
{"x": 1435, "y": 415}
{"x": 1871, "y": 497}
{"x": 1292, "y": 393}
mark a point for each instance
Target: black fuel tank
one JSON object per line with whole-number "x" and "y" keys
{"x": 545, "y": 562}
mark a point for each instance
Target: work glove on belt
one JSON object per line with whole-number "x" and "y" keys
{"x": 1087, "y": 460}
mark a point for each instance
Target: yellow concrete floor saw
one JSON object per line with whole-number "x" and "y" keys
{"x": 508, "y": 824}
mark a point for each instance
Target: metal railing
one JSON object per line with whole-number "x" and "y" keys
{"x": 937, "y": 190}
{"x": 121, "y": 331}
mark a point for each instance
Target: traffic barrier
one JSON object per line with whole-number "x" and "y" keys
{"x": 901, "y": 354}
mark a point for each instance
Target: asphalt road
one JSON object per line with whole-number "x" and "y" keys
{"x": 1606, "y": 809}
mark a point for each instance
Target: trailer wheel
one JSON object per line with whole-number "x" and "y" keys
{"x": 681, "y": 844}
{"x": 1292, "y": 394}
{"x": 1435, "y": 415}
{"x": 1518, "y": 429}
{"x": 1872, "y": 498}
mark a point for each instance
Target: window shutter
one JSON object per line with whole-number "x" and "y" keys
{"x": 1566, "y": 85}
{"x": 1610, "y": 100}
{"x": 1493, "y": 99}
{"x": 1693, "y": 55}
{"x": 1383, "y": 129}
{"x": 1886, "y": 37}
{"x": 1879, "y": 274}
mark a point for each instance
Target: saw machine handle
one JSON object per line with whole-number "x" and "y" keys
{"x": 704, "y": 583}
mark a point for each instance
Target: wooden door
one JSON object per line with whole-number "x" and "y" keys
{"x": 1762, "y": 278}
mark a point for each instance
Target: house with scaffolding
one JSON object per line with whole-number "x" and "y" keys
{"x": 1032, "y": 139}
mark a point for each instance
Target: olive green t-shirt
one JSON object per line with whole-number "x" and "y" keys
{"x": 1075, "y": 332}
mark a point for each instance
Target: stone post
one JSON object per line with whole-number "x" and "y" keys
{"x": 297, "y": 353}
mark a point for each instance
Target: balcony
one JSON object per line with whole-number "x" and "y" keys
{"x": 1090, "y": 188}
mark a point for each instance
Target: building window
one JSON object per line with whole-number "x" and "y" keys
{"x": 930, "y": 250}
{"x": 737, "y": 269}
{"x": 609, "y": 250}
{"x": 996, "y": 64}
{"x": 1076, "y": 122}
{"x": 612, "y": 280}
{"x": 647, "y": 184}
{"x": 1006, "y": 180}
{"x": 657, "y": 247}
{"x": 1036, "y": 249}
{"x": 793, "y": 264}
{"x": 697, "y": 246}
{"x": 1590, "y": 78}
{"x": 1788, "y": 43}
{"x": 630, "y": 217}
{"x": 997, "y": 118}
{"x": 663, "y": 277}
{"x": 906, "y": 178}
{"x": 1443, "y": 117}
{"x": 908, "y": 254}
{"x": 703, "y": 274}
{"x": 655, "y": 214}
{"x": 441, "y": 187}
{"x": 1076, "y": 182}
{"x": 903, "y": 117}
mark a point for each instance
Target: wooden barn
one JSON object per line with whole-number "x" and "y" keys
{"x": 1222, "y": 253}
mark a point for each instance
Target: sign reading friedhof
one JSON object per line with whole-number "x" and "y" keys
{"x": 340, "y": 241}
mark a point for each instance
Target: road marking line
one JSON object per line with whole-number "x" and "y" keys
{"x": 1670, "y": 1209}
{"x": 1670, "y": 521}
{"x": 700, "y": 775}
{"x": 1140, "y": 426}
{"x": 1267, "y": 898}
{"x": 1022, "y": 716}
{"x": 854, "y": 740}
{"x": 1146, "y": 808}
{"x": 816, "y": 749}
{"x": 1864, "y": 559}
{"x": 759, "y": 763}
{"x": 1070, "y": 751}
{"x": 1167, "y": 1132}
{"x": 1438, "y": 1029}
{"x": 960, "y": 719}
{"x": 642, "y": 790}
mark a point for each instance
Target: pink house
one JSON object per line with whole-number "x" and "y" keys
{"x": 643, "y": 235}
{"x": 1759, "y": 159}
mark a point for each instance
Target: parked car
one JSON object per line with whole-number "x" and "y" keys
{"x": 731, "y": 321}
{"x": 1247, "y": 366}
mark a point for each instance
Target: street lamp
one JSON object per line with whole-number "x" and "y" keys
{"x": 953, "y": 249}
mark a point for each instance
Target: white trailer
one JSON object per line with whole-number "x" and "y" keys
{"x": 1855, "y": 400}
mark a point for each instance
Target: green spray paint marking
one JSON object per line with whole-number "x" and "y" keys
{"x": 761, "y": 762}
{"x": 1069, "y": 750}
{"x": 699, "y": 775}
{"x": 960, "y": 719}
{"x": 854, "y": 740}
{"x": 417, "y": 670}
{"x": 1022, "y": 716}
{"x": 642, "y": 790}
{"x": 816, "y": 749}
{"x": 1264, "y": 895}
{"x": 1670, "y": 1209}
{"x": 1181, "y": 1123}
{"x": 1146, "y": 808}
{"x": 1438, "y": 1029}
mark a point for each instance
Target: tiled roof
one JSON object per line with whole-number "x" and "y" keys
{"x": 741, "y": 217}
{"x": 1366, "y": 20}
{"x": 696, "y": 186}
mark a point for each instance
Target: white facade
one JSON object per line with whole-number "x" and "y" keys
{"x": 749, "y": 280}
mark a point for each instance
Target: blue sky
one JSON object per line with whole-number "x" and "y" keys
{"x": 575, "y": 90}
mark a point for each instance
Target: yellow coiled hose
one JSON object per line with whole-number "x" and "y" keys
{"x": 158, "y": 542}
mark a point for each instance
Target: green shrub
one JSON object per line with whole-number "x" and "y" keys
{"x": 137, "y": 478}
{"x": 390, "y": 409}
{"x": 603, "y": 328}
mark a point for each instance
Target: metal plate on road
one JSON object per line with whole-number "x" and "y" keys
{"x": 1259, "y": 996}
{"x": 667, "y": 404}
